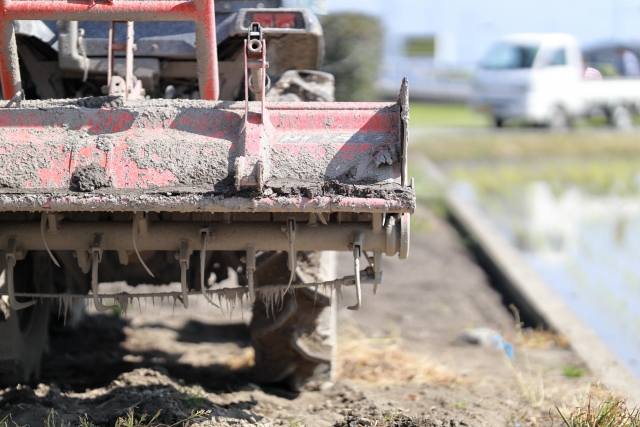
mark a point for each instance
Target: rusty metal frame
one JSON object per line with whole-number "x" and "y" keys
{"x": 202, "y": 12}
{"x": 169, "y": 236}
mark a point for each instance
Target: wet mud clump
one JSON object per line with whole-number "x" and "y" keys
{"x": 334, "y": 188}
{"x": 101, "y": 102}
{"x": 89, "y": 178}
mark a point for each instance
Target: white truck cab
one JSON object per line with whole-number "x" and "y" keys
{"x": 539, "y": 78}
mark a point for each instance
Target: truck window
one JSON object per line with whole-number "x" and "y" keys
{"x": 558, "y": 57}
{"x": 506, "y": 56}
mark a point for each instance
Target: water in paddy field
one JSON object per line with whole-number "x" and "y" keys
{"x": 586, "y": 246}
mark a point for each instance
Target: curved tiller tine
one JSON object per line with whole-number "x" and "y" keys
{"x": 357, "y": 249}
{"x": 137, "y": 219}
{"x": 96, "y": 257}
{"x": 43, "y": 227}
{"x": 11, "y": 255}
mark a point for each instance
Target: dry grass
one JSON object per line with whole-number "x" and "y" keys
{"x": 609, "y": 412}
{"x": 541, "y": 339}
{"x": 384, "y": 361}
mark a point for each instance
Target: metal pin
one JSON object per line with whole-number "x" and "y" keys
{"x": 203, "y": 259}
{"x": 43, "y": 226}
{"x": 291, "y": 234}
{"x": 251, "y": 267}
{"x": 377, "y": 264}
{"x": 358, "y": 239}
{"x": 136, "y": 224}
{"x": 184, "y": 266}
{"x": 96, "y": 257}
{"x": 12, "y": 254}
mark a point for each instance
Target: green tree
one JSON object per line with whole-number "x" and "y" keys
{"x": 353, "y": 53}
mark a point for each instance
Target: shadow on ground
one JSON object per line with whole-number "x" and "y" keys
{"x": 93, "y": 355}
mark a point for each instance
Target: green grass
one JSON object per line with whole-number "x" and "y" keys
{"x": 425, "y": 115}
{"x": 297, "y": 423}
{"x": 607, "y": 176}
{"x": 127, "y": 420}
{"x": 461, "y": 405}
{"x": 192, "y": 397}
{"x": 609, "y": 413}
{"x": 572, "y": 372}
{"x": 52, "y": 421}
{"x": 445, "y": 147}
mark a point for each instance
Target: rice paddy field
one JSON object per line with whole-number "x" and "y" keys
{"x": 569, "y": 201}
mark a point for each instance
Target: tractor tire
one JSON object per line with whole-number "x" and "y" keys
{"x": 24, "y": 333}
{"x": 291, "y": 340}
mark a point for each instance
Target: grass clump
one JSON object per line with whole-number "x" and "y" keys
{"x": 612, "y": 412}
{"x": 297, "y": 423}
{"x": 529, "y": 382}
{"x": 52, "y": 421}
{"x": 192, "y": 397}
{"x": 130, "y": 420}
{"x": 572, "y": 372}
{"x": 541, "y": 339}
{"x": 84, "y": 422}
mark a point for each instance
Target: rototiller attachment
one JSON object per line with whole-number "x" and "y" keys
{"x": 131, "y": 175}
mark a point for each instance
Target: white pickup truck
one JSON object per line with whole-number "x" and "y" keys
{"x": 540, "y": 79}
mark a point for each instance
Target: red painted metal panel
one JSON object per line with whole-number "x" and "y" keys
{"x": 200, "y": 11}
{"x": 144, "y": 144}
{"x": 103, "y": 11}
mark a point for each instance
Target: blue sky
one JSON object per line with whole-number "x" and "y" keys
{"x": 471, "y": 25}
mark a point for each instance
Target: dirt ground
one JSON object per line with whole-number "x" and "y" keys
{"x": 402, "y": 361}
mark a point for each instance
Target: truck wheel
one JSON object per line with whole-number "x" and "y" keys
{"x": 559, "y": 119}
{"x": 24, "y": 333}
{"x": 621, "y": 118}
{"x": 291, "y": 338}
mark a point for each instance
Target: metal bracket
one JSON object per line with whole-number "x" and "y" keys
{"x": 183, "y": 258}
{"x": 13, "y": 254}
{"x": 252, "y": 167}
{"x": 358, "y": 241}
{"x": 255, "y": 52}
{"x": 117, "y": 85}
{"x": 16, "y": 99}
{"x": 96, "y": 257}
